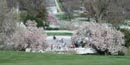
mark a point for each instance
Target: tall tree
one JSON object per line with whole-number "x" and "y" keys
{"x": 68, "y": 6}
{"x": 8, "y": 19}
{"x": 3, "y": 10}
{"x": 112, "y": 11}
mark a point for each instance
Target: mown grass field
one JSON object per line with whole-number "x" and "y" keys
{"x": 22, "y": 58}
{"x": 59, "y": 34}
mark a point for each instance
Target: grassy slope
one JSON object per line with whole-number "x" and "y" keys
{"x": 21, "y": 58}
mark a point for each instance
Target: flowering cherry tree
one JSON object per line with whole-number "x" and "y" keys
{"x": 17, "y": 36}
{"x": 35, "y": 37}
{"x": 28, "y": 36}
{"x": 102, "y": 37}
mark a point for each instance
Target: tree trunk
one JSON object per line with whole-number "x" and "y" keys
{"x": 99, "y": 18}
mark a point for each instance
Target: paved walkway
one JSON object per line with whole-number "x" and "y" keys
{"x": 67, "y": 39}
{"x": 61, "y": 43}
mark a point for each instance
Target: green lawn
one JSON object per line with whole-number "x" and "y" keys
{"x": 21, "y": 58}
{"x": 59, "y": 34}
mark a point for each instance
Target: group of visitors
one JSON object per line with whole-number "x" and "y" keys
{"x": 58, "y": 44}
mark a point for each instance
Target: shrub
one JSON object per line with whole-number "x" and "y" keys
{"x": 50, "y": 28}
{"x": 40, "y": 22}
{"x": 127, "y": 37}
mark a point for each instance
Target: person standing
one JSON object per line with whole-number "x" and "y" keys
{"x": 54, "y": 37}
